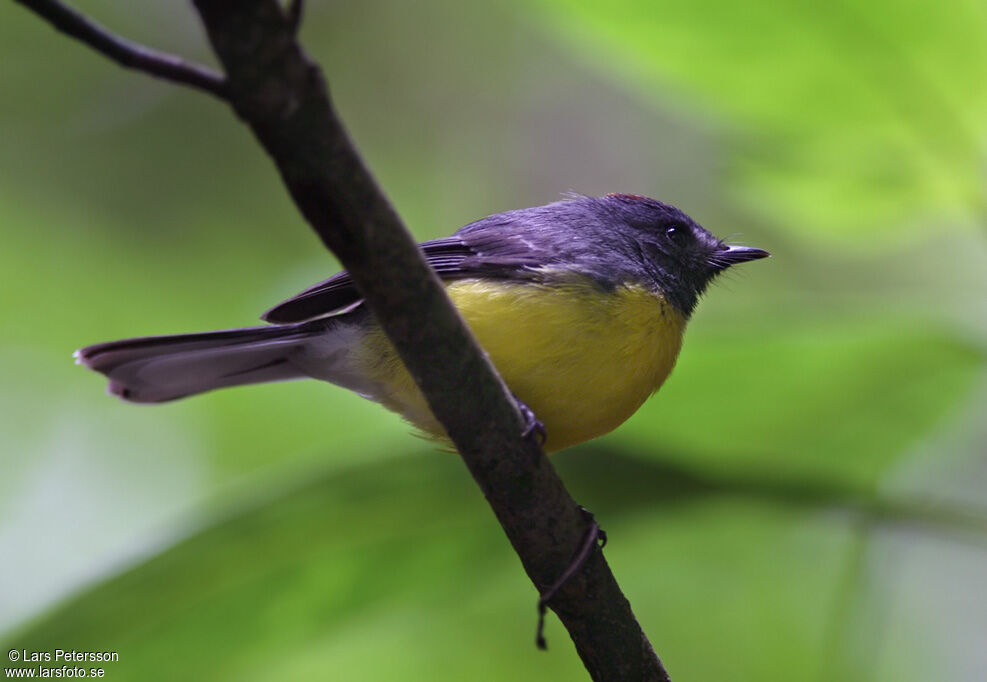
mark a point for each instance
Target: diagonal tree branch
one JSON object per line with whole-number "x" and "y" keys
{"x": 277, "y": 90}
{"x": 125, "y": 53}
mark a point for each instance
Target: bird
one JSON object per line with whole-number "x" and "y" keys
{"x": 581, "y": 305}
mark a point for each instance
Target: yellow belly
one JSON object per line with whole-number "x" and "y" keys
{"x": 582, "y": 359}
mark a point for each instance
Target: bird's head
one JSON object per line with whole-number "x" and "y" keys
{"x": 676, "y": 253}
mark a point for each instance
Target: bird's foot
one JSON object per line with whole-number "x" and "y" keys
{"x": 533, "y": 426}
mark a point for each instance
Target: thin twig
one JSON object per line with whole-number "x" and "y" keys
{"x": 596, "y": 538}
{"x": 126, "y": 53}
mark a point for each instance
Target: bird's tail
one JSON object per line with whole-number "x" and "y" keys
{"x": 156, "y": 369}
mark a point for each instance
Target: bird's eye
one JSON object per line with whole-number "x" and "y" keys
{"x": 677, "y": 234}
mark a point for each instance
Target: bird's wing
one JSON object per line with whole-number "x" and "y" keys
{"x": 477, "y": 250}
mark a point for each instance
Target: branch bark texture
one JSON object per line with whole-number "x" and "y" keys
{"x": 279, "y": 92}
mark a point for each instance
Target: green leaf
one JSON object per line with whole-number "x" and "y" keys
{"x": 848, "y": 120}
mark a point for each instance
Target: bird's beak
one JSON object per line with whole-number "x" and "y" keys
{"x": 732, "y": 255}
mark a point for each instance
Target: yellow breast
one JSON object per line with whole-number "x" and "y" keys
{"x": 583, "y": 359}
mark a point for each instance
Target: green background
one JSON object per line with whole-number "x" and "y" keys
{"x": 803, "y": 500}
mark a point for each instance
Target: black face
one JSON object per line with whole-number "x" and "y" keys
{"x": 679, "y": 255}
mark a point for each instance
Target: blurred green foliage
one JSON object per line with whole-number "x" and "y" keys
{"x": 802, "y": 500}
{"x": 853, "y": 120}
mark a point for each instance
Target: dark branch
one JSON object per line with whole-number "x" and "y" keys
{"x": 123, "y": 52}
{"x": 295, "y": 10}
{"x": 280, "y": 93}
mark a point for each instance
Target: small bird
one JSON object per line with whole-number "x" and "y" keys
{"x": 581, "y": 305}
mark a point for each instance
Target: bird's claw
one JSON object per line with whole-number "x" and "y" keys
{"x": 533, "y": 426}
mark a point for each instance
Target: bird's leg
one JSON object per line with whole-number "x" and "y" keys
{"x": 533, "y": 426}
{"x": 594, "y": 538}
